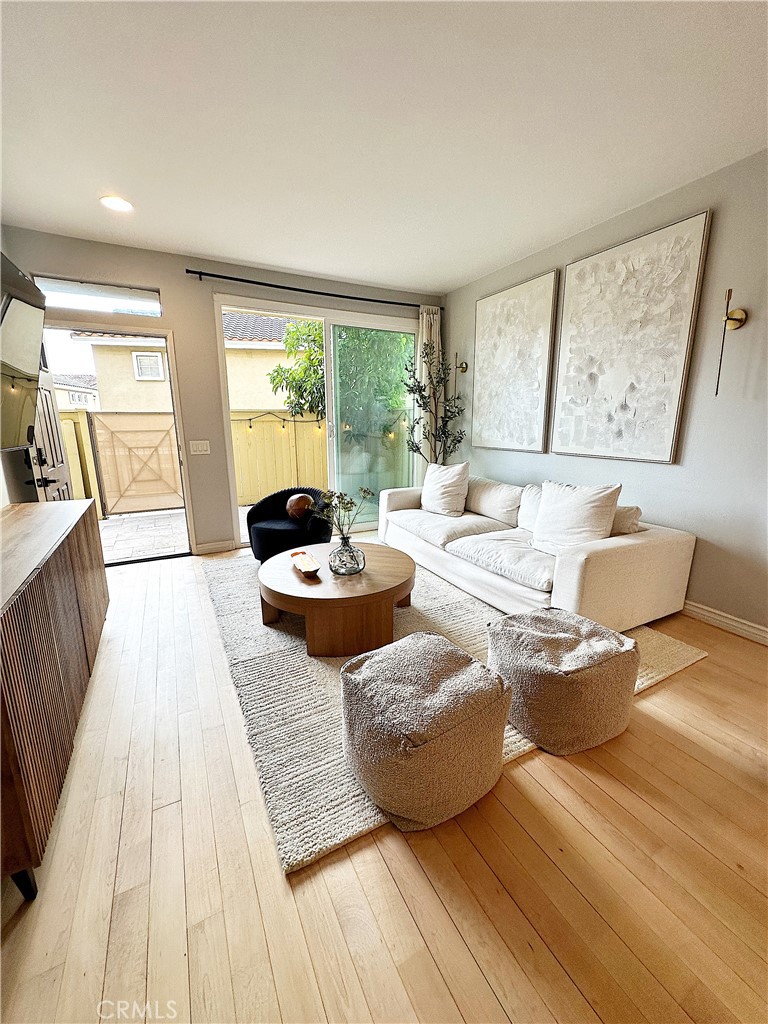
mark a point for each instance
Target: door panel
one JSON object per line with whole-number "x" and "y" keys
{"x": 370, "y": 410}
{"x": 51, "y": 469}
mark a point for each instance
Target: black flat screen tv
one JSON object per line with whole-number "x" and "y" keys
{"x": 21, "y": 337}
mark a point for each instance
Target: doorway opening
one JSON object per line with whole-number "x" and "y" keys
{"x": 316, "y": 399}
{"x": 114, "y": 403}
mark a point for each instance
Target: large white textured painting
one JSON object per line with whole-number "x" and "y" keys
{"x": 513, "y": 337}
{"x": 625, "y": 334}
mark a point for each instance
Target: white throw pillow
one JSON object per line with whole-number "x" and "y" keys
{"x": 445, "y": 489}
{"x": 572, "y": 514}
{"x": 626, "y": 520}
{"x": 529, "y": 507}
{"x": 493, "y": 499}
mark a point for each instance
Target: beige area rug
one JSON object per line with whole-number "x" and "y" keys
{"x": 292, "y": 710}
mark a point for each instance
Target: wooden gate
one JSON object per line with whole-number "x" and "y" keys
{"x": 138, "y": 461}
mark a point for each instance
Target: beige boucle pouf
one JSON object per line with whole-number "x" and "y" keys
{"x": 572, "y": 679}
{"x": 423, "y": 728}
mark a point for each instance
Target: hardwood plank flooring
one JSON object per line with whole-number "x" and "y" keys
{"x": 624, "y": 884}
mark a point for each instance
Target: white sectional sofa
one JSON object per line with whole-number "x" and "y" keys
{"x": 621, "y": 582}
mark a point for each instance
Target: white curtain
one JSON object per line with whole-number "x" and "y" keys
{"x": 429, "y": 326}
{"x": 429, "y": 330}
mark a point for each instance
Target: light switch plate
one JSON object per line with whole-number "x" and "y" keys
{"x": 199, "y": 447}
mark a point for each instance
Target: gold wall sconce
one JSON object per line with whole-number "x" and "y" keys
{"x": 459, "y": 367}
{"x": 732, "y": 321}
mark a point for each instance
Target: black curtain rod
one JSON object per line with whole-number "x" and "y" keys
{"x": 200, "y": 274}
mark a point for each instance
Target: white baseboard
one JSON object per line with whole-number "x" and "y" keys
{"x": 730, "y": 623}
{"x": 214, "y": 546}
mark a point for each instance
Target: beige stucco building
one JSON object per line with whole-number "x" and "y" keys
{"x": 132, "y": 376}
{"x": 248, "y": 377}
{"x": 76, "y": 391}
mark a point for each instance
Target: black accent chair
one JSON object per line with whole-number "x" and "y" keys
{"x": 271, "y": 530}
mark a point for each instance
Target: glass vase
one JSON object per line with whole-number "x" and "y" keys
{"x": 346, "y": 559}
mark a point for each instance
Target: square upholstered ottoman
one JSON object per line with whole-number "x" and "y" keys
{"x": 572, "y": 679}
{"x": 423, "y": 728}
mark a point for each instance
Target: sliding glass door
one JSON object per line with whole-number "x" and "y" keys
{"x": 313, "y": 398}
{"x": 371, "y": 407}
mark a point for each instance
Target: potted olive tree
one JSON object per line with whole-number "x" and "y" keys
{"x": 431, "y": 431}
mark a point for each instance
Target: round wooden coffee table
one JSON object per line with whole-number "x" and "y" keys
{"x": 345, "y": 615}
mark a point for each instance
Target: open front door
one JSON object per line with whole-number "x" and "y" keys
{"x": 40, "y": 473}
{"x": 49, "y": 457}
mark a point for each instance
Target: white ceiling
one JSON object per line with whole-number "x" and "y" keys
{"x": 411, "y": 145}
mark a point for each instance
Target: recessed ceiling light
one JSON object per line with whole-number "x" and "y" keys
{"x": 116, "y": 203}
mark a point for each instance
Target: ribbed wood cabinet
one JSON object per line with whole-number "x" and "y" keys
{"x": 54, "y": 591}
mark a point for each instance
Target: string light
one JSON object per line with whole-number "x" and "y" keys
{"x": 387, "y": 431}
{"x": 272, "y": 416}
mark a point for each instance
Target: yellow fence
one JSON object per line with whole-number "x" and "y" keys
{"x": 82, "y": 465}
{"x": 270, "y": 454}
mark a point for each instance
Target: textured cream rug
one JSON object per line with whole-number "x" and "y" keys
{"x": 292, "y": 710}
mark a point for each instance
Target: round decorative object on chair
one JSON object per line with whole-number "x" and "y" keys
{"x": 572, "y": 679}
{"x": 298, "y": 505}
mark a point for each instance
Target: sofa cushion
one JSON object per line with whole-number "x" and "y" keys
{"x": 626, "y": 520}
{"x": 441, "y": 530}
{"x": 445, "y": 489}
{"x": 529, "y": 507}
{"x": 493, "y": 499}
{"x": 508, "y": 553}
{"x": 572, "y": 514}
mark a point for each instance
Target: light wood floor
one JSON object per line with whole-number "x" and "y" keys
{"x": 625, "y": 884}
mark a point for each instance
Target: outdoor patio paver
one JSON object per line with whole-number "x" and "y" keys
{"x": 138, "y": 535}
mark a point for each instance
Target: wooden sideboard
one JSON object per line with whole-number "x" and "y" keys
{"x": 54, "y": 601}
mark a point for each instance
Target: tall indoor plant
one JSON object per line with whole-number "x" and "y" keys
{"x": 430, "y": 432}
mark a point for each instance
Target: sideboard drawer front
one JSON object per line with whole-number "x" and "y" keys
{"x": 60, "y": 587}
{"x": 90, "y": 579}
{"x": 37, "y": 712}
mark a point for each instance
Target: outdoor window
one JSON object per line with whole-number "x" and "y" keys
{"x": 148, "y": 366}
{"x": 99, "y": 298}
{"x": 78, "y": 398}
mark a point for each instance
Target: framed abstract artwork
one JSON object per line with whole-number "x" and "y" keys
{"x": 513, "y": 341}
{"x": 626, "y": 329}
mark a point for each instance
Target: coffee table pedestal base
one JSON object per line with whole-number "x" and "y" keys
{"x": 269, "y": 615}
{"x": 335, "y": 632}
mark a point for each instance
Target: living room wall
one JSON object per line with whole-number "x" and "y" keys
{"x": 188, "y": 311}
{"x": 717, "y": 488}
